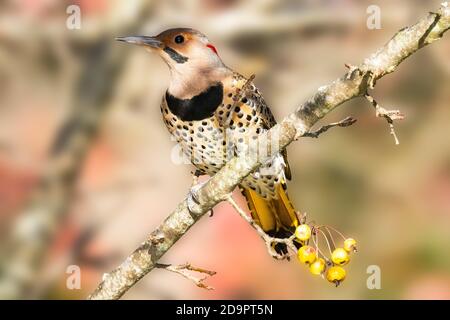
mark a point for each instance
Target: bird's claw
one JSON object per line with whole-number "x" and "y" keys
{"x": 193, "y": 202}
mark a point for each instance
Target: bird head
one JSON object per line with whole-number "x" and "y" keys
{"x": 193, "y": 60}
{"x": 184, "y": 50}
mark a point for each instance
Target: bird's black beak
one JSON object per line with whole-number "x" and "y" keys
{"x": 142, "y": 41}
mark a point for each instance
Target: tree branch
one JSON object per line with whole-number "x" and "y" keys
{"x": 354, "y": 83}
{"x": 184, "y": 269}
{"x": 389, "y": 115}
{"x": 348, "y": 121}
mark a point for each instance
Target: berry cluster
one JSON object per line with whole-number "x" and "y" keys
{"x": 330, "y": 268}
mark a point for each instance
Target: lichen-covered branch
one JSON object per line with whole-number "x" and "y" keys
{"x": 354, "y": 83}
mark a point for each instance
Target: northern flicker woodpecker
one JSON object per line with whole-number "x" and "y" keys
{"x": 214, "y": 113}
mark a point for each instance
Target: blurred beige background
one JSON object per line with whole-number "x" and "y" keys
{"x": 395, "y": 200}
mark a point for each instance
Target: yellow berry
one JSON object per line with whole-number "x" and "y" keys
{"x": 340, "y": 257}
{"x": 307, "y": 254}
{"x": 303, "y": 232}
{"x": 317, "y": 267}
{"x": 336, "y": 275}
{"x": 350, "y": 245}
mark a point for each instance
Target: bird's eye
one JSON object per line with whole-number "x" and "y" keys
{"x": 179, "y": 39}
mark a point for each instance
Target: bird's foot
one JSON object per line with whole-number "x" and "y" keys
{"x": 193, "y": 202}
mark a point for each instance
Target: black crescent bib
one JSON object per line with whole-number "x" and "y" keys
{"x": 199, "y": 107}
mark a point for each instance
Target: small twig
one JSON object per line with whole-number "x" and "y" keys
{"x": 270, "y": 241}
{"x": 389, "y": 115}
{"x": 326, "y": 238}
{"x": 343, "y": 123}
{"x": 337, "y": 232}
{"x": 315, "y": 239}
{"x": 184, "y": 269}
{"x": 330, "y": 236}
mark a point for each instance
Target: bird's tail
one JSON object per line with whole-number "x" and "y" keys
{"x": 276, "y": 217}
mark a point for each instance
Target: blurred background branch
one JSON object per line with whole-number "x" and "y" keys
{"x": 30, "y": 236}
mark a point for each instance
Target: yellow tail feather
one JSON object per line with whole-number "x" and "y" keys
{"x": 272, "y": 215}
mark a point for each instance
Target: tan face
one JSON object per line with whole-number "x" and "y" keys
{"x": 180, "y": 48}
{"x": 193, "y": 61}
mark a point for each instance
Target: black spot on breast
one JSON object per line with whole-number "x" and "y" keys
{"x": 199, "y": 107}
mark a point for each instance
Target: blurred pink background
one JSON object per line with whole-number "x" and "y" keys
{"x": 395, "y": 200}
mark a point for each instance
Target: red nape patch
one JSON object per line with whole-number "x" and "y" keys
{"x": 212, "y": 48}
